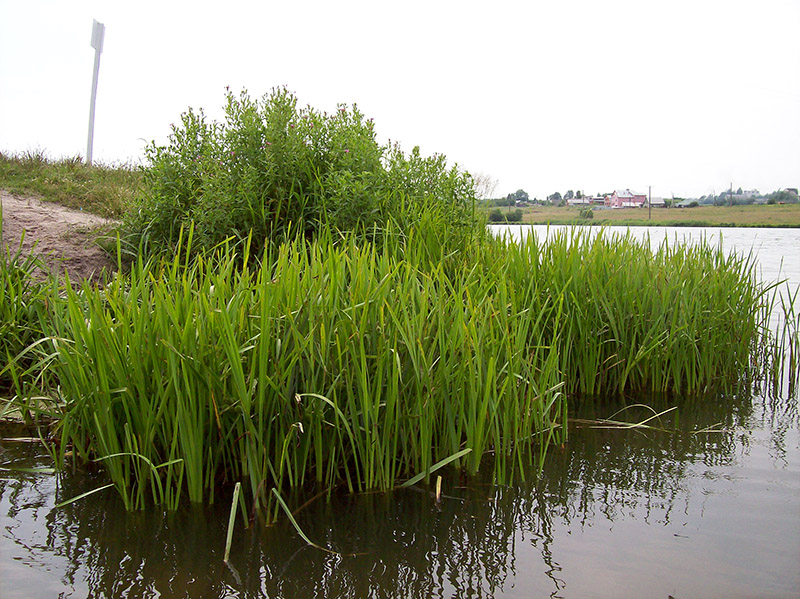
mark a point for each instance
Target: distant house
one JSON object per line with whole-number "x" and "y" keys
{"x": 582, "y": 201}
{"x": 625, "y": 198}
{"x": 748, "y": 194}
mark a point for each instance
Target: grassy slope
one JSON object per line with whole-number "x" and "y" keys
{"x": 786, "y": 215}
{"x": 103, "y": 190}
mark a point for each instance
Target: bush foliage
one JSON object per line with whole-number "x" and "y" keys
{"x": 275, "y": 170}
{"x": 512, "y": 216}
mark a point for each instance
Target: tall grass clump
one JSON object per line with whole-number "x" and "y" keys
{"x": 681, "y": 318}
{"x": 272, "y": 170}
{"x": 23, "y": 312}
{"x": 777, "y": 360}
{"x": 342, "y": 361}
{"x": 333, "y": 363}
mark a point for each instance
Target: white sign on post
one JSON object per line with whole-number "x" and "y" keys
{"x": 98, "y": 35}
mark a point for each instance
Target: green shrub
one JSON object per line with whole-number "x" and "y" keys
{"x": 274, "y": 171}
{"x": 496, "y": 216}
{"x": 514, "y": 216}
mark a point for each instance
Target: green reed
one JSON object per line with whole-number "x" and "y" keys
{"x": 342, "y": 361}
{"x": 681, "y": 318}
{"x": 776, "y": 360}
{"x": 333, "y": 363}
{"x": 23, "y": 307}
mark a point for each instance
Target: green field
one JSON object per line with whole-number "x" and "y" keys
{"x": 777, "y": 215}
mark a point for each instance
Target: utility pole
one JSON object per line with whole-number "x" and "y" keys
{"x": 649, "y": 202}
{"x": 98, "y": 34}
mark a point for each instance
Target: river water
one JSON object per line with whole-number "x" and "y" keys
{"x": 707, "y": 507}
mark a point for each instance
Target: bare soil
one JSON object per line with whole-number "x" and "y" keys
{"x": 66, "y": 240}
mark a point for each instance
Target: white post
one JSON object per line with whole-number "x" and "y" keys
{"x": 98, "y": 34}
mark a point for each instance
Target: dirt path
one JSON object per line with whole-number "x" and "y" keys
{"x": 65, "y": 239}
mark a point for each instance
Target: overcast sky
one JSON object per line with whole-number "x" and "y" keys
{"x": 685, "y": 96}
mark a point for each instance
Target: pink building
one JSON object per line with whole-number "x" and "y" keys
{"x": 625, "y": 198}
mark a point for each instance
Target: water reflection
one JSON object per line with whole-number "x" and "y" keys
{"x": 610, "y": 510}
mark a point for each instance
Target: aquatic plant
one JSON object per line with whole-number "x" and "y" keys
{"x": 333, "y": 363}
{"x": 681, "y": 318}
{"x": 23, "y": 302}
{"x": 340, "y": 361}
{"x": 776, "y": 360}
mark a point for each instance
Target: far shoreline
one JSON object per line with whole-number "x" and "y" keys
{"x": 767, "y": 216}
{"x": 650, "y": 223}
